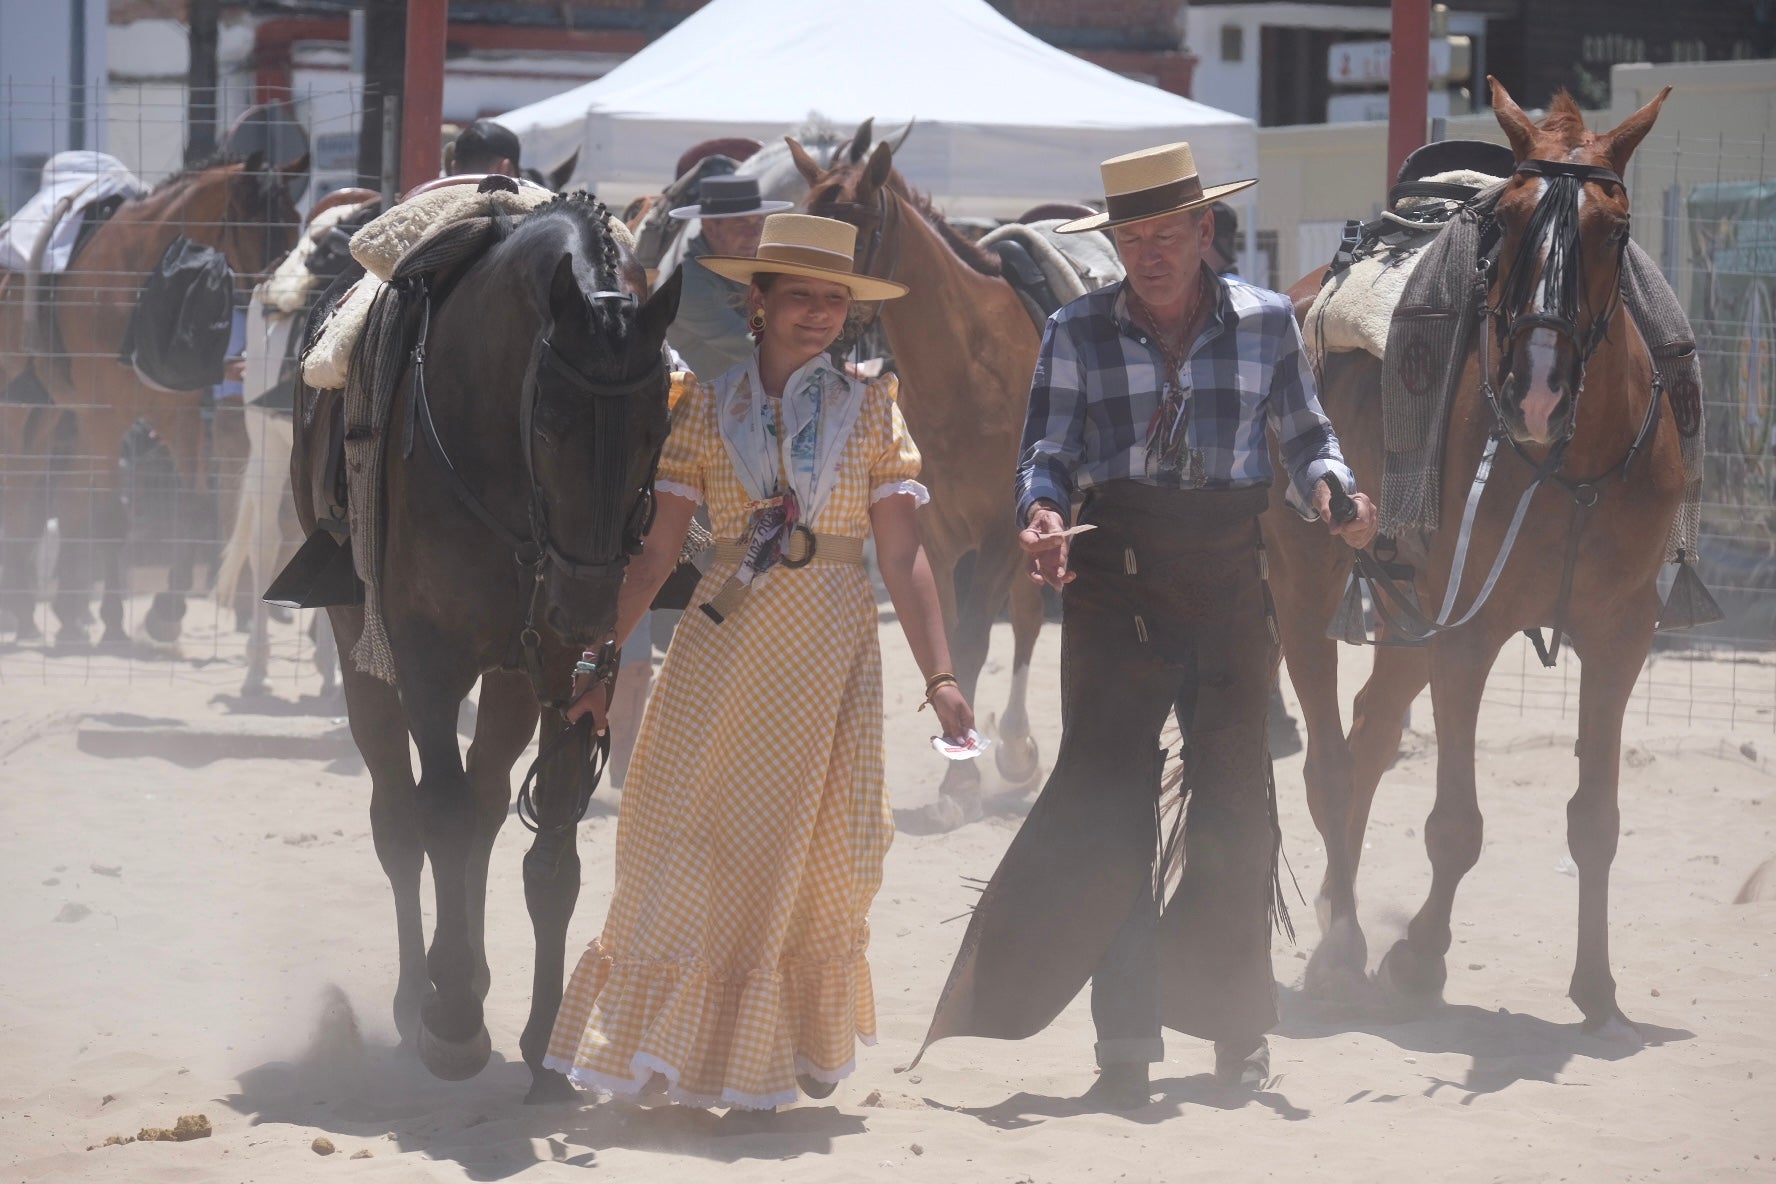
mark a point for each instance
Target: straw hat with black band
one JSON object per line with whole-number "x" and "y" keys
{"x": 1151, "y": 183}
{"x": 801, "y": 244}
{"x": 729, "y": 197}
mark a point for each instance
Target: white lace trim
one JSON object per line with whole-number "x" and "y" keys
{"x": 643, "y": 1066}
{"x": 918, "y": 492}
{"x": 677, "y": 489}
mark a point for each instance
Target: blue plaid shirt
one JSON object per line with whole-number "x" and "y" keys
{"x": 1098, "y": 386}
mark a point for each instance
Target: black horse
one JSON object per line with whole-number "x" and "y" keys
{"x": 515, "y": 494}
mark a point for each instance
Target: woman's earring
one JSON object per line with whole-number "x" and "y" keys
{"x": 757, "y": 323}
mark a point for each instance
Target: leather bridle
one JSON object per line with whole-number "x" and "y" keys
{"x": 1556, "y": 214}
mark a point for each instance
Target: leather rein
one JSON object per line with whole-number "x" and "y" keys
{"x": 1395, "y": 603}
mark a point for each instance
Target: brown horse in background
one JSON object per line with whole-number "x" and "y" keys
{"x": 965, "y": 349}
{"x": 1547, "y": 390}
{"x": 240, "y": 208}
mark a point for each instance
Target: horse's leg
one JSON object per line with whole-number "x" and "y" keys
{"x": 551, "y": 888}
{"x": 262, "y": 490}
{"x": 453, "y": 1040}
{"x": 1414, "y": 971}
{"x": 1610, "y": 665}
{"x": 503, "y": 724}
{"x": 1378, "y": 717}
{"x": 1019, "y": 759}
{"x": 24, "y": 509}
{"x": 77, "y": 513}
{"x": 1306, "y": 580}
{"x": 379, "y": 729}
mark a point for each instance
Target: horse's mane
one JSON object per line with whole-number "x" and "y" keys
{"x": 591, "y": 219}
{"x": 971, "y": 253}
{"x": 191, "y": 171}
{"x": 1564, "y": 118}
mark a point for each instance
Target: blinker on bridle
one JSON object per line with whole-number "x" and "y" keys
{"x": 1556, "y": 218}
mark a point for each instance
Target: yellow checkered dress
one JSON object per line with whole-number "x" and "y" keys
{"x": 755, "y": 814}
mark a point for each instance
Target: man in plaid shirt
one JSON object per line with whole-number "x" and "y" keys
{"x": 1150, "y": 406}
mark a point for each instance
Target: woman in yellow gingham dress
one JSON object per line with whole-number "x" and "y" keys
{"x": 755, "y": 818}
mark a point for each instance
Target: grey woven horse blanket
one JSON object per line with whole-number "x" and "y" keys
{"x": 1429, "y": 339}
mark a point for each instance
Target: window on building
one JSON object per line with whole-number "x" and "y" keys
{"x": 1233, "y": 43}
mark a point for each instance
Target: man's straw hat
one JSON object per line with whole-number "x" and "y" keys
{"x": 1151, "y": 184}
{"x": 801, "y": 244}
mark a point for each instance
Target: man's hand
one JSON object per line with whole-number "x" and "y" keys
{"x": 1359, "y": 532}
{"x": 1042, "y": 542}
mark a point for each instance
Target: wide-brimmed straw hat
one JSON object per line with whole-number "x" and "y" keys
{"x": 729, "y": 197}
{"x": 1151, "y": 183}
{"x": 801, "y": 244}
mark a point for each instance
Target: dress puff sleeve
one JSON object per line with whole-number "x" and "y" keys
{"x": 684, "y": 457}
{"x": 896, "y": 466}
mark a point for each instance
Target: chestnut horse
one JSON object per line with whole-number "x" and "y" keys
{"x": 1565, "y": 388}
{"x": 239, "y": 208}
{"x": 966, "y": 350}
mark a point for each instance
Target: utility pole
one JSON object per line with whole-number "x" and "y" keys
{"x": 201, "y": 81}
{"x": 1409, "y": 81}
{"x": 422, "y": 99}
{"x": 385, "y": 59}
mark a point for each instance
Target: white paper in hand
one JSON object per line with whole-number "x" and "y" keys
{"x": 965, "y": 749}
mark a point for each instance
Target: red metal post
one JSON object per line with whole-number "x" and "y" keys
{"x": 1409, "y": 80}
{"x": 422, "y": 101}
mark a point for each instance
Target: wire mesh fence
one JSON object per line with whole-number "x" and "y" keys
{"x": 118, "y": 499}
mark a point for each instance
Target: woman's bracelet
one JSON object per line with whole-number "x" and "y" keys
{"x": 936, "y": 683}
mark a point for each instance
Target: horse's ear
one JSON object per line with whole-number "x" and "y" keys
{"x": 1519, "y": 128}
{"x": 562, "y": 173}
{"x": 860, "y": 141}
{"x": 294, "y": 168}
{"x": 880, "y": 165}
{"x": 565, "y": 299}
{"x": 1626, "y": 138}
{"x": 803, "y": 162}
{"x": 659, "y": 310}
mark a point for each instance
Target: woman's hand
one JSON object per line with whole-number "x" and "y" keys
{"x": 953, "y": 712}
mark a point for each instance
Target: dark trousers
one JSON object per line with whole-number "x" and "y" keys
{"x": 1168, "y": 614}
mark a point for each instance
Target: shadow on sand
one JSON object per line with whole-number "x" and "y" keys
{"x": 368, "y": 1095}
{"x": 1503, "y": 1047}
{"x": 1171, "y": 1096}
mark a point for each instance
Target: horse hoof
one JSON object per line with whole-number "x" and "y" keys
{"x": 114, "y": 637}
{"x": 1333, "y": 980}
{"x": 1410, "y": 982}
{"x": 72, "y": 637}
{"x": 548, "y": 1088}
{"x": 1618, "y": 1030}
{"x": 1018, "y": 759}
{"x": 165, "y": 617}
{"x": 454, "y": 1060}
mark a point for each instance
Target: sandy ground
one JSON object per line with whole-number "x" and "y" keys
{"x": 212, "y": 934}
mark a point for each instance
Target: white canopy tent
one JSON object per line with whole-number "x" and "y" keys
{"x": 1003, "y": 120}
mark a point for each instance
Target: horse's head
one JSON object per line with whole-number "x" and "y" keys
{"x": 259, "y": 217}
{"x": 1563, "y": 217}
{"x": 595, "y": 405}
{"x": 853, "y": 188}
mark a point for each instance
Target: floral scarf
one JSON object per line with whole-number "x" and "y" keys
{"x": 786, "y": 453}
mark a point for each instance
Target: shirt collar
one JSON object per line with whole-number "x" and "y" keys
{"x": 1218, "y": 291}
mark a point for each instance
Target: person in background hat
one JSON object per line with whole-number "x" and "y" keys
{"x": 483, "y": 147}
{"x": 754, "y": 825}
{"x": 710, "y": 331}
{"x": 1150, "y": 403}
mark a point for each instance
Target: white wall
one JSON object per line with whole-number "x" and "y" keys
{"x": 36, "y": 63}
{"x": 1233, "y": 86}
